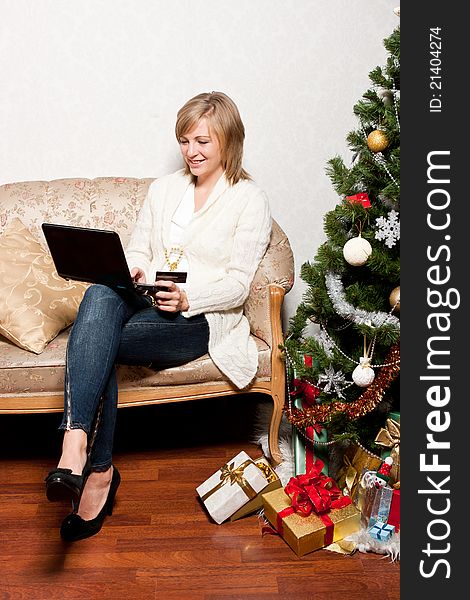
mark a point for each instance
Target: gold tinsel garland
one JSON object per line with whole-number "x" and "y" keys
{"x": 321, "y": 413}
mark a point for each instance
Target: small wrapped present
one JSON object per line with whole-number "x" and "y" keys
{"x": 394, "y": 514}
{"x": 373, "y": 500}
{"x": 311, "y": 445}
{"x": 231, "y": 487}
{"x": 273, "y": 483}
{"x": 306, "y": 451}
{"x": 311, "y": 512}
{"x": 381, "y": 531}
{"x": 381, "y": 505}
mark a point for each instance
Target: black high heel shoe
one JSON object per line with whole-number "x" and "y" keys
{"x": 75, "y": 528}
{"x": 63, "y": 486}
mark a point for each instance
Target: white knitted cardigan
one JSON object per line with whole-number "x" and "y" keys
{"x": 224, "y": 244}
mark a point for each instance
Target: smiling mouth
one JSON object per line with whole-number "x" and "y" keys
{"x": 196, "y": 163}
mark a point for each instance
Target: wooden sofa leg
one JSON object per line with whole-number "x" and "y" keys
{"x": 273, "y": 435}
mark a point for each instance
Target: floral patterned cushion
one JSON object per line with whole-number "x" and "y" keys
{"x": 103, "y": 203}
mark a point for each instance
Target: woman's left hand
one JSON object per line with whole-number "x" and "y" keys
{"x": 173, "y": 299}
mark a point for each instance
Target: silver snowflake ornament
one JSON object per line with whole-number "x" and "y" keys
{"x": 333, "y": 382}
{"x": 388, "y": 229}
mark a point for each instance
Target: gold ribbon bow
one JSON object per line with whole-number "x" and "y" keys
{"x": 230, "y": 474}
{"x": 351, "y": 477}
{"x": 268, "y": 472}
{"x": 355, "y": 462}
{"x": 389, "y": 437}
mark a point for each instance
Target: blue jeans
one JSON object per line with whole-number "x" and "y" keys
{"x": 121, "y": 328}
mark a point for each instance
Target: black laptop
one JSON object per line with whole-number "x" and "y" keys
{"x": 90, "y": 255}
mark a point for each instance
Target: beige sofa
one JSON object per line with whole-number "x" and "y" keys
{"x": 32, "y": 382}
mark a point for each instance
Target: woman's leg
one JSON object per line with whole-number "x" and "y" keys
{"x": 161, "y": 340}
{"x": 155, "y": 339}
{"x": 150, "y": 338}
{"x": 91, "y": 352}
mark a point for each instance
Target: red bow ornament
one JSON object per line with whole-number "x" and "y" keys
{"x": 361, "y": 198}
{"x": 308, "y": 391}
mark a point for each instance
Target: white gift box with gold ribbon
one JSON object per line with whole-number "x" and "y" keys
{"x": 232, "y": 486}
{"x": 273, "y": 483}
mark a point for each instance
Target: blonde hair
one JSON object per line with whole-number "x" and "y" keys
{"x": 224, "y": 120}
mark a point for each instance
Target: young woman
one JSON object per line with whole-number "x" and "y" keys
{"x": 208, "y": 219}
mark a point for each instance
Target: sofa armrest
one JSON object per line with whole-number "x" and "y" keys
{"x": 276, "y": 299}
{"x": 273, "y": 279}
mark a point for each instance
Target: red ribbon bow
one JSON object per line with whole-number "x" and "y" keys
{"x": 313, "y": 492}
{"x": 308, "y": 391}
{"x": 361, "y": 198}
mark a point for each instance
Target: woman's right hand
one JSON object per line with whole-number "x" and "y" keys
{"x": 138, "y": 275}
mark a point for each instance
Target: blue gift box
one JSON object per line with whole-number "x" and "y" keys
{"x": 381, "y": 531}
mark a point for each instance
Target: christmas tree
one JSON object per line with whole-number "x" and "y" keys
{"x": 346, "y": 365}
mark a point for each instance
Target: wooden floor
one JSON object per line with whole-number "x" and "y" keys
{"x": 159, "y": 542}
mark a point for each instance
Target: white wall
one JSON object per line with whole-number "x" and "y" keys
{"x": 91, "y": 88}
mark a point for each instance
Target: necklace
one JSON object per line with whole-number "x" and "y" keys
{"x": 173, "y": 257}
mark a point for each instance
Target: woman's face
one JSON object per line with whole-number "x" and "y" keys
{"x": 201, "y": 152}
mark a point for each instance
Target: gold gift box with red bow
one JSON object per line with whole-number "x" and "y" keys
{"x": 311, "y": 512}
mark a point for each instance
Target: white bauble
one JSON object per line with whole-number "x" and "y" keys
{"x": 387, "y": 96}
{"x": 363, "y": 375}
{"x": 356, "y": 251}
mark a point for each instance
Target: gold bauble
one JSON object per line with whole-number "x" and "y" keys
{"x": 377, "y": 141}
{"x": 394, "y": 298}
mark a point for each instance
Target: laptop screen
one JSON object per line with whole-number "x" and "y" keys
{"x": 90, "y": 255}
